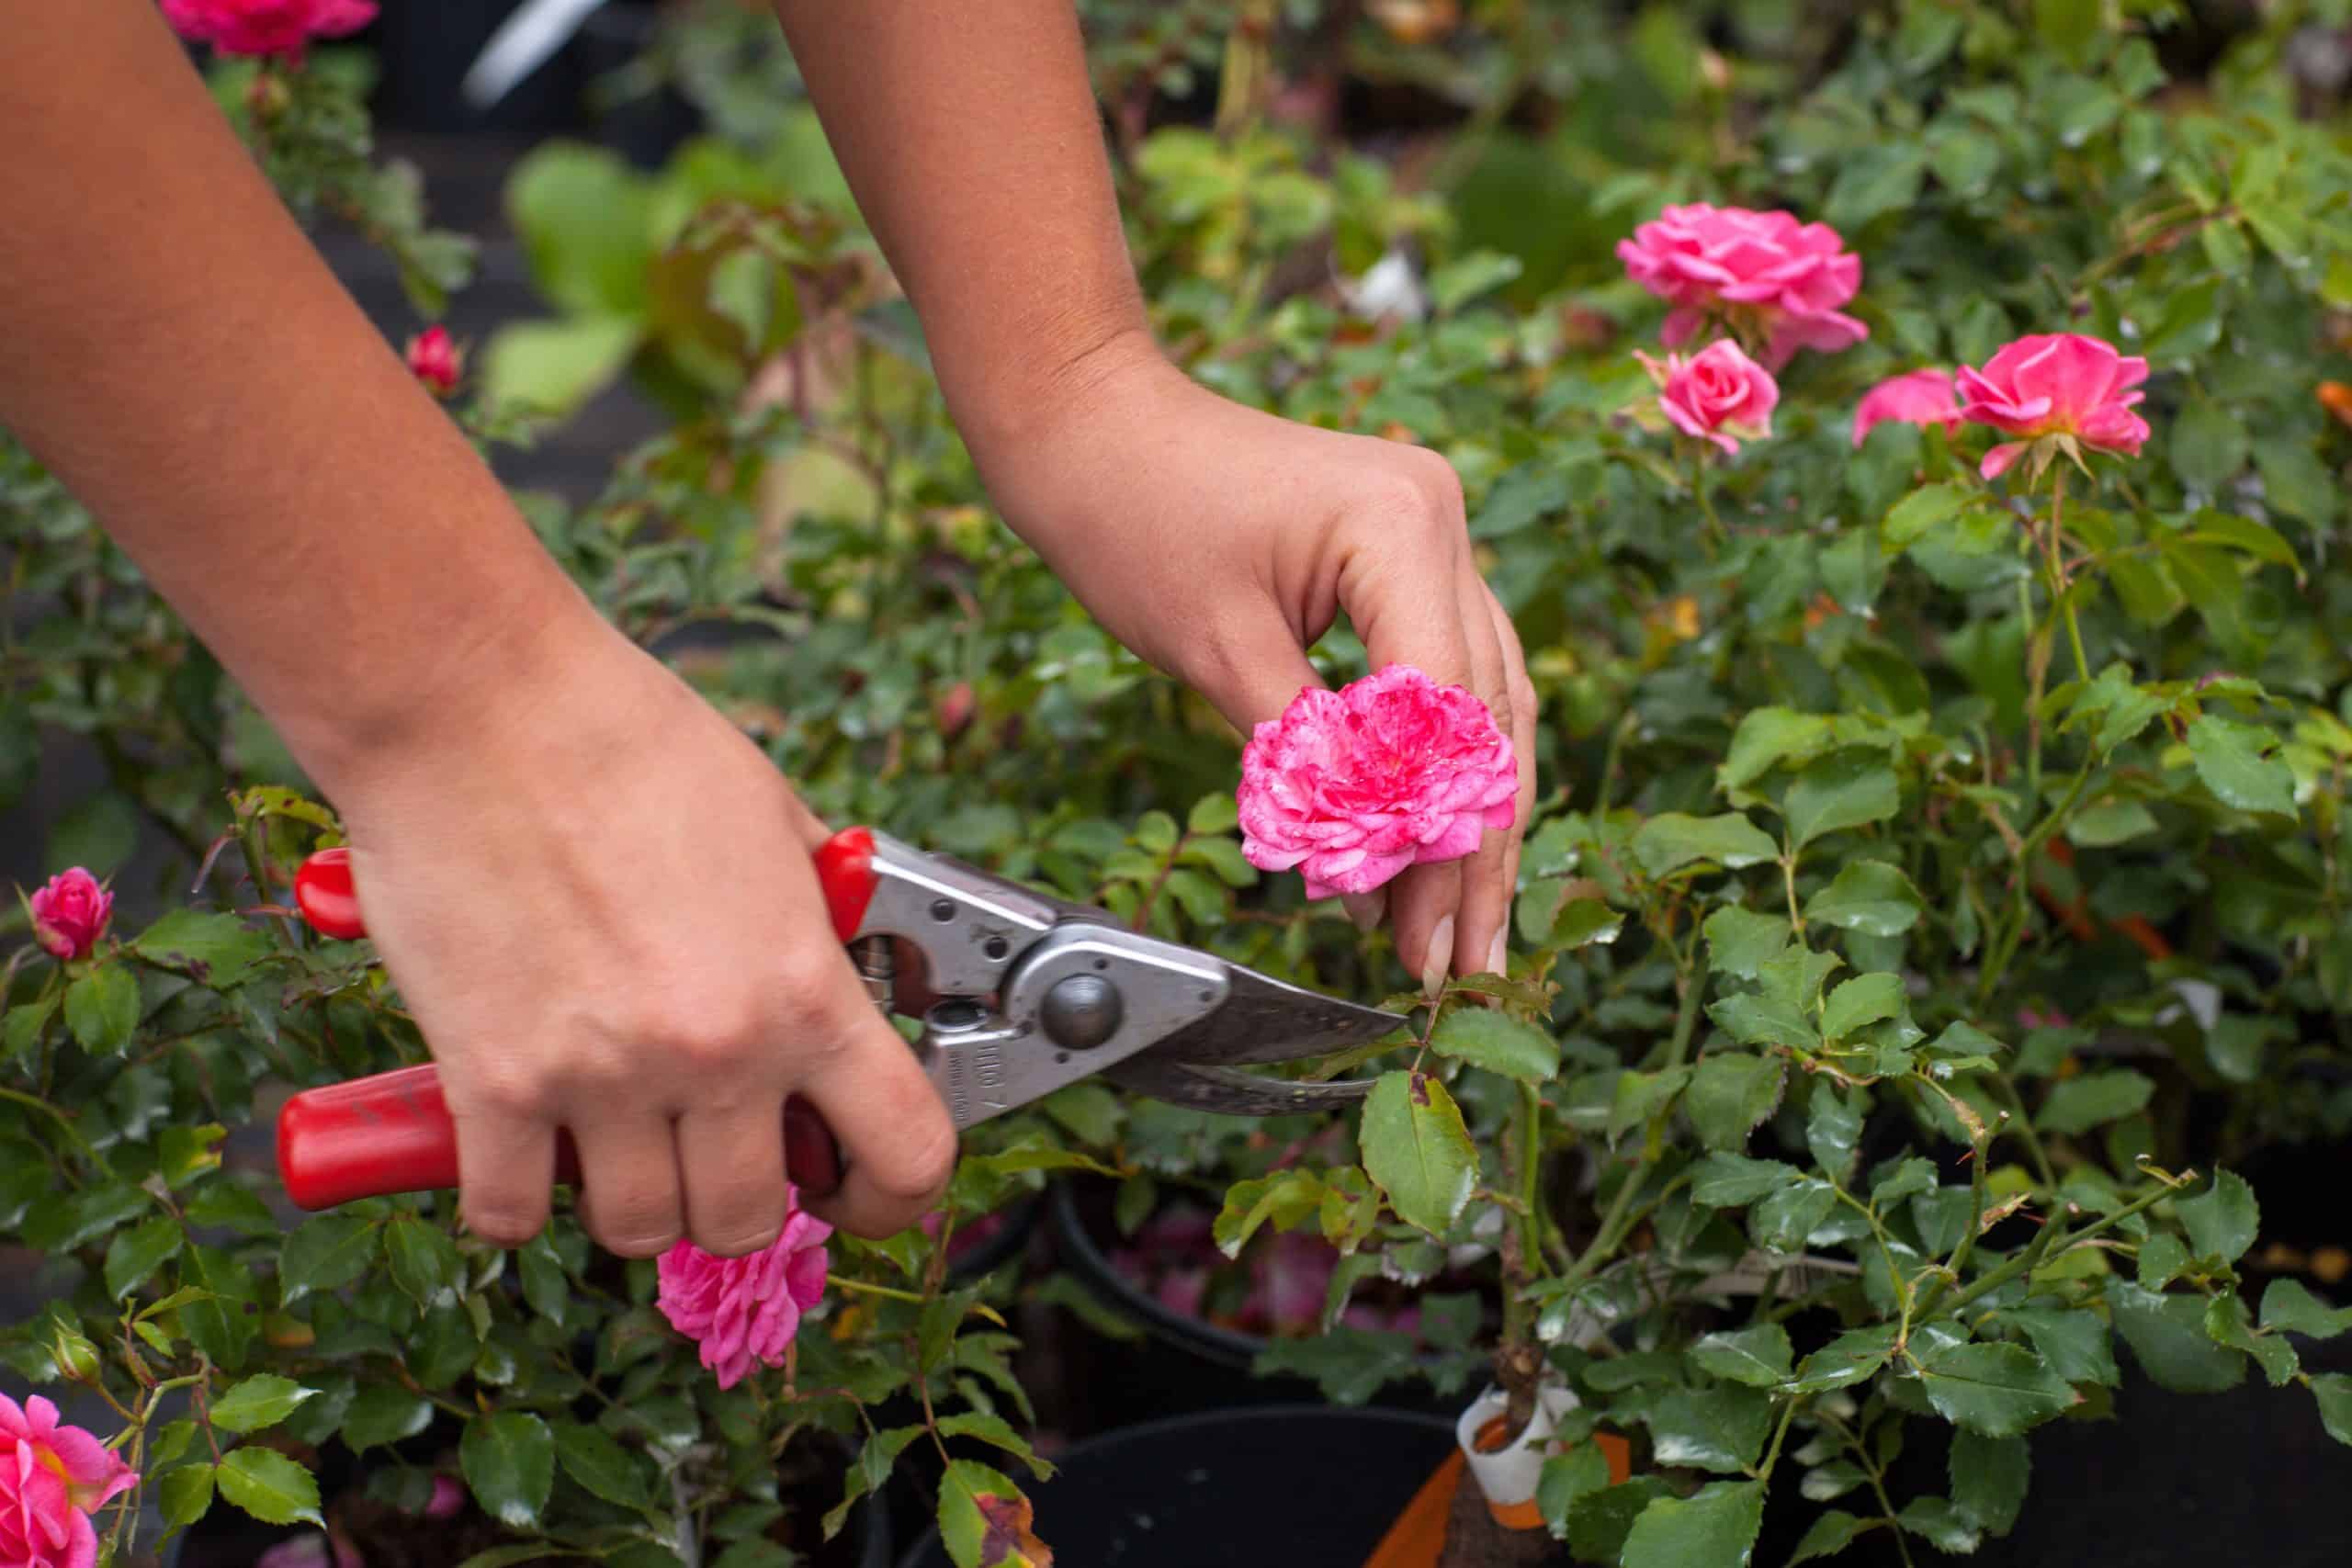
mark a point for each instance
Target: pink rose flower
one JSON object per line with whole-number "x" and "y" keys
{"x": 746, "y": 1309}
{"x": 70, "y": 913}
{"x": 1763, "y": 270}
{"x": 1352, "y": 787}
{"x": 434, "y": 360}
{"x": 1917, "y": 397}
{"x": 270, "y": 28}
{"x": 1718, "y": 394}
{"x": 51, "y": 1479}
{"x": 2061, "y": 386}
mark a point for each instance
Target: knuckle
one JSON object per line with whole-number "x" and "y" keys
{"x": 736, "y": 1238}
{"x": 514, "y": 1092}
{"x": 504, "y": 1220}
{"x": 633, "y": 1236}
{"x": 921, "y": 1167}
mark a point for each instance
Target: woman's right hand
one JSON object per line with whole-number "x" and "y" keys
{"x": 598, "y": 902}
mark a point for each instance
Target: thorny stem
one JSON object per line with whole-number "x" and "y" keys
{"x": 1772, "y": 1455}
{"x": 2025, "y": 1130}
{"x": 2026, "y": 1260}
{"x": 2058, "y": 575}
{"x": 1997, "y": 962}
{"x": 1699, "y": 492}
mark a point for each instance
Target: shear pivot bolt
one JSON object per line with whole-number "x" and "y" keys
{"x": 1082, "y": 1011}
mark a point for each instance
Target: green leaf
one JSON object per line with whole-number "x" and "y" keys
{"x": 1600, "y": 1522}
{"x": 262, "y": 1400}
{"x": 2294, "y": 480}
{"x": 425, "y": 1261}
{"x": 182, "y": 1154}
{"x": 1416, "y": 1148}
{"x": 1845, "y": 789}
{"x": 1759, "y": 1357}
{"x": 215, "y": 949}
{"x": 1566, "y": 1478}
{"x": 982, "y": 1517}
{"x": 1715, "y": 1528}
{"x": 2209, "y": 445}
{"x": 1937, "y": 1522}
{"x": 2334, "y": 1392}
{"x": 1730, "y": 1094}
{"x": 22, "y": 1025}
{"x": 2290, "y": 1308}
{"x": 1738, "y": 940}
{"x": 185, "y": 1494}
{"x": 552, "y": 367}
{"x": 2094, "y": 1098}
{"x": 1213, "y": 813}
{"x": 1869, "y": 897}
{"x": 1923, "y": 509}
{"x": 1784, "y": 1221}
{"x": 1493, "y": 1040}
{"x": 1288, "y": 1198}
{"x": 1851, "y": 1358}
{"x": 591, "y": 1457}
{"x": 1832, "y": 1533}
{"x": 102, "y": 1008}
{"x": 982, "y": 1427}
{"x": 324, "y": 1254}
{"x": 586, "y": 221}
{"x": 2168, "y": 1336}
{"x": 1734, "y": 1181}
{"x": 2224, "y": 1220}
{"x": 509, "y": 1461}
{"x": 1462, "y": 280}
{"x": 1673, "y": 840}
{"x": 1580, "y": 923}
{"x": 269, "y": 1486}
{"x": 2076, "y": 1342}
{"x": 2235, "y": 760}
{"x": 1764, "y": 1020}
{"x": 1988, "y": 1478}
{"x": 381, "y": 1413}
{"x": 1995, "y": 1391}
{"x": 1877, "y": 178}
{"x": 546, "y": 1286}
{"x": 2068, "y": 27}
{"x": 1864, "y": 1000}
{"x": 1833, "y": 1129}
{"x": 134, "y": 1256}
{"x": 875, "y": 1460}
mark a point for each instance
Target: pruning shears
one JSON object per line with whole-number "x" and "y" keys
{"x": 1025, "y": 995}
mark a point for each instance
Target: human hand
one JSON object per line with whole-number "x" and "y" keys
{"x": 598, "y": 901}
{"x": 1219, "y": 542}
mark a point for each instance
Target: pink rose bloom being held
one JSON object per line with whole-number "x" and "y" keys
{"x": 1718, "y": 394}
{"x": 70, "y": 913}
{"x": 1765, "y": 272}
{"x": 52, "y": 1477}
{"x": 744, "y": 1310}
{"x": 2062, "y": 387}
{"x": 278, "y": 29}
{"x": 1350, "y": 787}
{"x": 1917, "y": 397}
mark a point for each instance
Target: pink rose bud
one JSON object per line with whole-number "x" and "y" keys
{"x": 746, "y": 1309}
{"x": 2056, "y": 386}
{"x": 70, "y": 913}
{"x": 434, "y": 360}
{"x": 1350, "y": 787}
{"x": 1919, "y": 396}
{"x": 53, "y": 1478}
{"x": 1718, "y": 394}
{"x": 272, "y": 29}
{"x": 1763, "y": 271}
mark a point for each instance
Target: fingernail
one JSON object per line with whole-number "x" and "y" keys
{"x": 1499, "y": 956}
{"x": 1365, "y": 909}
{"x": 1439, "y": 961}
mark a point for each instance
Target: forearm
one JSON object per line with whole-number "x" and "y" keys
{"x": 968, "y": 130}
{"x": 174, "y": 349}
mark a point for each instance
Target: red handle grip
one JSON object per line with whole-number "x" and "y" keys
{"x": 391, "y": 1132}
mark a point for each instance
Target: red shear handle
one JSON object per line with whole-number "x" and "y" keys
{"x": 391, "y": 1132}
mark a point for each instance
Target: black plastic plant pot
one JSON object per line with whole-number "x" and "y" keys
{"x": 1210, "y": 1342}
{"x": 1303, "y": 1486}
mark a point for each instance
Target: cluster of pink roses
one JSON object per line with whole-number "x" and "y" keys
{"x": 53, "y": 1478}
{"x": 1779, "y": 284}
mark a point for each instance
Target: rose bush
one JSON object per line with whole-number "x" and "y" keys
{"x": 1939, "y": 891}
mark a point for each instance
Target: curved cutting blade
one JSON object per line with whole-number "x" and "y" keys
{"x": 1261, "y": 1019}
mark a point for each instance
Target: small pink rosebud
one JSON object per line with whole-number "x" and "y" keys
{"x": 1350, "y": 787}
{"x": 70, "y": 913}
{"x": 1718, "y": 394}
{"x": 434, "y": 360}
{"x": 2056, "y": 384}
{"x": 448, "y": 1497}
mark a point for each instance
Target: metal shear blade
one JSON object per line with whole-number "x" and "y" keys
{"x": 1261, "y": 1019}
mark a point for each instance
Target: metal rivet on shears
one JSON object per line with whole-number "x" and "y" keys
{"x": 943, "y": 911}
{"x": 1082, "y": 1011}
